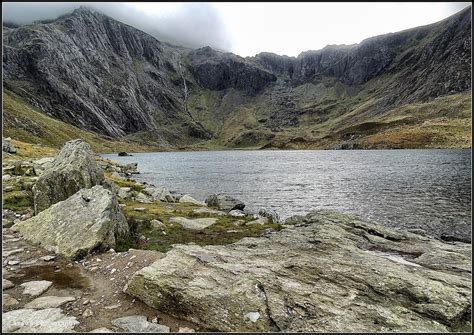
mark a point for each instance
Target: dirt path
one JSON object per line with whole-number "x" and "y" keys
{"x": 96, "y": 283}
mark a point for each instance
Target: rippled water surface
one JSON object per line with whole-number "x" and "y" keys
{"x": 428, "y": 189}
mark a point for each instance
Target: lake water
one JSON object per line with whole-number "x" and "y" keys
{"x": 427, "y": 189}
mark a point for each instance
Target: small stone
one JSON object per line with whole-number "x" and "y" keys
{"x": 35, "y": 288}
{"x": 185, "y": 330}
{"x": 87, "y": 313}
{"x": 85, "y": 302}
{"x": 101, "y": 330}
{"x": 48, "y": 258}
{"x": 112, "y": 271}
{"x": 13, "y": 262}
{"x": 236, "y": 213}
{"x": 113, "y": 306}
{"x": 252, "y": 316}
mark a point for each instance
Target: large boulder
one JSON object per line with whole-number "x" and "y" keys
{"x": 73, "y": 168}
{"x": 224, "y": 202}
{"x": 331, "y": 273}
{"x": 159, "y": 193}
{"x": 87, "y": 221}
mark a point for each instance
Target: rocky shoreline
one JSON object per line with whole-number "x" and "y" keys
{"x": 108, "y": 254}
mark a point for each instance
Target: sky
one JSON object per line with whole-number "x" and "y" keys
{"x": 249, "y": 28}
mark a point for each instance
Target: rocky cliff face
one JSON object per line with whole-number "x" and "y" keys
{"x": 99, "y": 74}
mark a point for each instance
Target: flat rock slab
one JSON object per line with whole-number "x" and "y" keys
{"x": 329, "y": 273}
{"x": 35, "y": 288}
{"x": 101, "y": 330}
{"x": 48, "y": 302}
{"x": 50, "y": 320}
{"x": 139, "y": 324}
{"x": 194, "y": 224}
{"x": 6, "y": 284}
{"x": 205, "y": 210}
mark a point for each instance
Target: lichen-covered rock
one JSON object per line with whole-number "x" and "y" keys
{"x": 331, "y": 273}
{"x": 159, "y": 193}
{"x": 224, "y": 202}
{"x": 89, "y": 220}
{"x": 7, "y": 146}
{"x": 73, "y": 168}
{"x": 190, "y": 200}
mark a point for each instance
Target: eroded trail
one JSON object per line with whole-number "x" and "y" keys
{"x": 95, "y": 283}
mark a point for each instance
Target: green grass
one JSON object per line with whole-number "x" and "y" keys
{"x": 163, "y": 237}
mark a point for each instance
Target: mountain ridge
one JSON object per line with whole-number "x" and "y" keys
{"x": 92, "y": 71}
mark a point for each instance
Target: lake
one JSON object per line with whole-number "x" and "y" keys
{"x": 414, "y": 189}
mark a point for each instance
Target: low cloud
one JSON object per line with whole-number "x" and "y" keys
{"x": 191, "y": 24}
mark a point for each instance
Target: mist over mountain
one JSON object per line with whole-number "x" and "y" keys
{"x": 194, "y": 25}
{"x": 90, "y": 70}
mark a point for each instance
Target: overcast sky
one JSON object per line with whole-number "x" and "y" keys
{"x": 249, "y": 28}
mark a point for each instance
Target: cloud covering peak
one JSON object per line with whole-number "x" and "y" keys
{"x": 192, "y": 25}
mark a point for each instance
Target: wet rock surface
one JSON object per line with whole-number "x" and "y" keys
{"x": 331, "y": 272}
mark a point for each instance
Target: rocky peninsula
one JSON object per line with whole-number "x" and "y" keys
{"x": 87, "y": 248}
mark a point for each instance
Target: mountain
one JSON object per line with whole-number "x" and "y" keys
{"x": 405, "y": 89}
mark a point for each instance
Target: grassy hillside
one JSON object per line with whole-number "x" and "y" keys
{"x": 325, "y": 122}
{"x": 25, "y": 123}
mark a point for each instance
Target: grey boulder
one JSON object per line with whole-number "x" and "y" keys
{"x": 74, "y": 168}
{"x": 89, "y": 220}
{"x": 224, "y": 202}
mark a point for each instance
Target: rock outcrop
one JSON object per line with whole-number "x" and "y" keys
{"x": 74, "y": 168}
{"x": 329, "y": 273}
{"x": 89, "y": 220}
{"x": 224, "y": 202}
{"x": 7, "y": 146}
